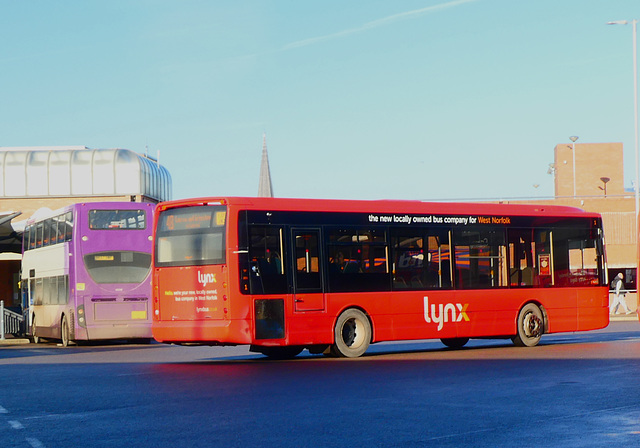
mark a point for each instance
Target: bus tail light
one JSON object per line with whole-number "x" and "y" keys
{"x": 82, "y": 321}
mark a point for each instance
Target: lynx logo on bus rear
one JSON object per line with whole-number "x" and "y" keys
{"x": 205, "y": 279}
{"x": 444, "y": 311}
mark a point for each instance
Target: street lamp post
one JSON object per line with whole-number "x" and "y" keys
{"x": 573, "y": 139}
{"x": 634, "y": 25}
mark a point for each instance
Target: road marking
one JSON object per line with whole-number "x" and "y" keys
{"x": 35, "y": 443}
{"x": 15, "y": 424}
{"x": 3, "y": 410}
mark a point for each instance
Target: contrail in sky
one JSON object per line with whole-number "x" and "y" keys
{"x": 376, "y": 23}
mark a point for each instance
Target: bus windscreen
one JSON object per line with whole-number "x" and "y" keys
{"x": 191, "y": 236}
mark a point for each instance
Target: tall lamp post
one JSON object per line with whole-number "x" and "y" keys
{"x": 573, "y": 139}
{"x": 634, "y": 26}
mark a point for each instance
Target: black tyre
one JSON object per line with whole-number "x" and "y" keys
{"x": 34, "y": 336}
{"x": 64, "y": 331}
{"x": 455, "y": 342}
{"x": 281, "y": 352}
{"x": 530, "y": 326}
{"x": 352, "y": 334}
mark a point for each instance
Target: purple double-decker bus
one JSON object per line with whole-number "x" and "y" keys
{"x": 86, "y": 272}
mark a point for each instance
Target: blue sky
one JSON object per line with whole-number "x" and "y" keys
{"x": 461, "y": 99}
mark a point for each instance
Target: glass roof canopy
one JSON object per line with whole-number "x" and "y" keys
{"x": 80, "y": 171}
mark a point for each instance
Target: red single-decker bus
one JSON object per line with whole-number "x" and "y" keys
{"x": 330, "y": 276}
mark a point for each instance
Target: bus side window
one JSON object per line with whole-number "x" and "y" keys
{"x": 68, "y": 222}
{"x": 366, "y": 266}
{"x": 575, "y": 258}
{"x": 46, "y": 241}
{"x": 31, "y": 235}
{"x": 438, "y": 271}
{"x": 39, "y": 234}
{"x": 39, "y": 288}
{"x": 57, "y": 228}
{"x": 63, "y": 289}
{"x": 267, "y": 269}
{"x": 408, "y": 261}
{"x": 480, "y": 258}
{"x": 522, "y": 258}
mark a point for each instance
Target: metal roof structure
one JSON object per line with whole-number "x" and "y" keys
{"x": 10, "y": 240}
{"x": 80, "y": 171}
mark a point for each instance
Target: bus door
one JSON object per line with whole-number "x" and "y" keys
{"x": 307, "y": 280}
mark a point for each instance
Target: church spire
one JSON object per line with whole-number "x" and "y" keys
{"x": 265, "y": 190}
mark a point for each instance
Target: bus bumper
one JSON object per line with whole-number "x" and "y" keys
{"x": 223, "y": 332}
{"x": 117, "y": 331}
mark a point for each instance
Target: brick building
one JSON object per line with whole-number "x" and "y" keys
{"x": 590, "y": 176}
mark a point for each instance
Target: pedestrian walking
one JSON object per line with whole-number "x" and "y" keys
{"x": 618, "y": 297}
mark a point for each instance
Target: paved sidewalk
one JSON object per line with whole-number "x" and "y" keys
{"x": 11, "y": 340}
{"x": 622, "y": 317}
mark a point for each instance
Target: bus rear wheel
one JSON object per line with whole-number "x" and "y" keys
{"x": 455, "y": 342}
{"x": 530, "y": 326}
{"x": 34, "y": 336}
{"x": 352, "y": 334}
{"x": 64, "y": 331}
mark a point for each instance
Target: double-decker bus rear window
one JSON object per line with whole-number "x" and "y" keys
{"x": 117, "y": 219}
{"x": 191, "y": 236}
{"x": 118, "y": 266}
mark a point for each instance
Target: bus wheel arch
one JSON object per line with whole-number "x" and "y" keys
{"x": 352, "y": 333}
{"x": 531, "y": 324}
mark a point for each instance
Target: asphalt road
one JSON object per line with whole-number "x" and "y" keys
{"x": 573, "y": 390}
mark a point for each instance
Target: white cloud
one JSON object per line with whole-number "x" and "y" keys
{"x": 376, "y": 23}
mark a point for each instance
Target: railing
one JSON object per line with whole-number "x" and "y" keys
{"x": 11, "y": 322}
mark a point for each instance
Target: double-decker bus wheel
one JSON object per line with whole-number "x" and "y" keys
{"x": 352, "y": 334}
{"x": 530, "y": 326}
{"x": 34, "y": 336}
{"x": 64, "y": 331}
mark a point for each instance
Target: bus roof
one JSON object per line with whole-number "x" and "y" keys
{"x": 43, "y": 213}
{"x": 384, "y": 206}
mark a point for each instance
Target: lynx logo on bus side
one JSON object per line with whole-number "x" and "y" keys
{"x": 442, "y": 314}
{"x": 205, "y": 279}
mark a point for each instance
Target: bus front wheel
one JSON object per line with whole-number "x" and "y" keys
{"x": 287, "y": 352}
{"x": 530, "y": 326}
{"x": 454, "y": 342}
{"x": 64, "y": 331}
{"x": 352, "y": 334}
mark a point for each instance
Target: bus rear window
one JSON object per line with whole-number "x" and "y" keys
{"x": 117, "y": 219}
{"x": 118, "y": 266}
{"x": 191, "y": 236}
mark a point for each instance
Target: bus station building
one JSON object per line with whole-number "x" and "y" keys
{"x": 35, "y": 180}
